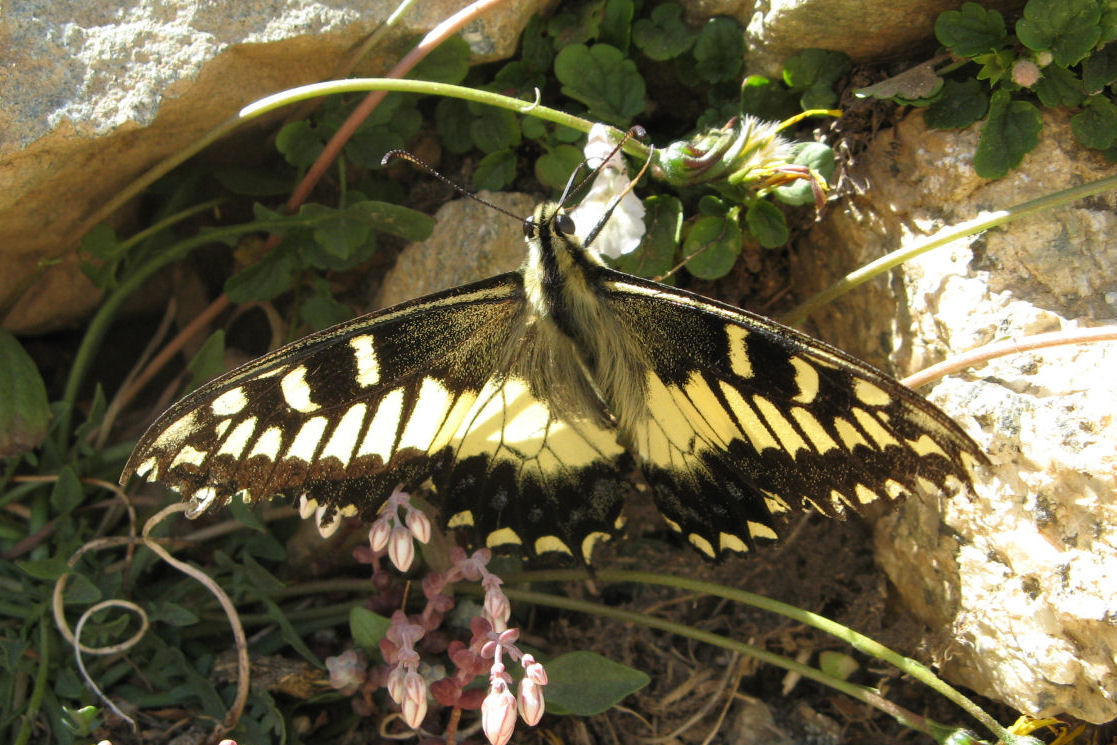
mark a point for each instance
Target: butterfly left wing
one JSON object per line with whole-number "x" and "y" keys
{"x": 747, "y": 418}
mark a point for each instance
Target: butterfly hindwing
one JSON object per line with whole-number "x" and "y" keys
{"x": 748, "y": 418}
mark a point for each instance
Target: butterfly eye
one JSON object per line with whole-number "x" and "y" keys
{"x": 529, "y": 228}
{"x": 564, "y": 224}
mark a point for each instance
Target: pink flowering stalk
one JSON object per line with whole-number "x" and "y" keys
{"x": 396, "y": 536}
{"x": 491, "y": 642}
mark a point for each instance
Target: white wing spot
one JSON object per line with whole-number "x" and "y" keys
{"x": 238, "y": 439}
{"x": 296, "y": 391}
{"x": 869, "y": 394}
{"x": 590, "y": 541}
{"x": 343, "y": 441}
{"x": 381, "y": 433}
{"x": 865, "y": 494}
{"x": 729, "y": 542}
{"x": 228, "y": 403}
{"x": 701, "y": 544}
{"x": 814, "y": 430}
{"x": 306, "y": 441}
{"x": 268, "y": 444}
{"x": 189, "y": 456}
{"x": 368, "y": 364}
{"x": 806, "y": 377}
{"x": 503, "y": 537}
{"x": 199, "y": 501}
{"x": 431, "y": 406}
{"x": 760, "y": 530}
{"x": 874, "y": 429}
{"x": 549, "y": 543}
{"x": 785, "y": 433}
{"x": 738, "y": 351}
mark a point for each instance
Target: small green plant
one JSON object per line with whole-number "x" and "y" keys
{"x": 1061, "y": 54}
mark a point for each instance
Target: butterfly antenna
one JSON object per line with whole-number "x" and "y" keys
{"x": 617, "y": 199}
{"x": 410, "y": 158}
{"x": 636, "y": 132}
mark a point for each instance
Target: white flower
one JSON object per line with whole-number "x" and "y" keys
{"x": 625, "y": 229}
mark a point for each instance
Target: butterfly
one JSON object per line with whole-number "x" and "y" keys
{"x": 529, "y": 400}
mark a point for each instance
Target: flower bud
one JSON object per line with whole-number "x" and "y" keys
{"x": 497, "y": 608}
{"x": 530, "y": 701}
{"x": 401, "y": 548}
{"x": 379, "y": 533}
{"x": 1025, "y": 73}
{"x": 498, "y": 713}
{"x": 414, "y": 711}
{"x": 395, "y": 683}
{"x": 419, "y": 525}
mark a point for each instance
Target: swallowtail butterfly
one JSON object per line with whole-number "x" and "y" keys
{"x": 529, "y": 399}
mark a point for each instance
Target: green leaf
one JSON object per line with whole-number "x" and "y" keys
{"x": 45, "y": 569}
{"x": 1010, "y": 132}
{"x": 393, "y": 219}
{"x": 321, "y": 310}
{"x": 452, "y": 119}
{"x": 494, "y": 129}
{"x": 368, "y": 628}
{"x": 916, "y": 86}
{"x": 171, "y": 613}
{"x": 663, "y": 220}
{"x": 616, "y": 23}
{"x": 603, "y": 79}
{"x": 815, "y": 68}
{"x": 767, "y": 224}
{"x": 246, "y": 516}
{"x": 299, "y": 143}
{"x": 767, "y": 99}
{"x": 252, "y": 182}
{"x": 995, "y": 66}
{"x": 1058, "y": 86}
{"x": 554, "y": 167}
{"x": 1099, "y": 69}
{"x": 536, "y": 50}
{"x": 570, "y": 28}
{"x": 24, "y": 409}
{"x": 66, "y": 493}
{"x": 1096, "y": 125}
{"x": 446, "y": 63}
{"x": 664, "y": 35}
{"x": 583, "y": 683}
{"x": 719, "y": 50}
{"x": 960, "y": 105}
{"x": 971, "y": 30}
{"x": 105, "y": 252}
{"x": 495, "y": 171}
{"x": 1108, "y": 24}
{"x": 1067, "y": 28}
{"x": 712, "y": 246}
{"x": 837, "y": 664}
{"x": 338, "y": 232}
{"x": 820, "y": 159}
{"x": 265, "y": 279}
{"x": 209, "y": 361}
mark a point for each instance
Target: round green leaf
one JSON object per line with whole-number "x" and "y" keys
{"x": 1096, "y": 125}
{"x": 1011, "y": 131}
{"x": 367, "y": 628}
{"x": 971, "y": 30}
{"x": 603, "y": 79}
{"x": 1067, "y": 28}
{"x": 664, "y": 35}
{"x": 495, "y": 171}
{"x": 663, "y": 218}
{"x": 495, "y": 129}
{"x": 452, "y": 119}
{"x": 767, "y": 224}
{"x": 719, "y": 50}
{"x": 712, "y": 247}
{"x": 960, "y": 105}
{"x": 554, "y": 167}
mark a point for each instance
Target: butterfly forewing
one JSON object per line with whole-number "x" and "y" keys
{"x": 749, "y": 418}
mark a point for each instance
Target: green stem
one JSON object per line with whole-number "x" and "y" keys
{"x": 40, "y": 689}
{"x": 102, "y": 319}
{"x": 943, "y": 237}
{"x": 859, "y": 641}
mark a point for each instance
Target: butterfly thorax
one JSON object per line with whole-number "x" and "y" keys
{"x": 581, "y": 356}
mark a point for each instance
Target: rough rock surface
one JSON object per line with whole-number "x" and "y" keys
{"x": 94, "y": 93}
{"x": 1017, "y": 580}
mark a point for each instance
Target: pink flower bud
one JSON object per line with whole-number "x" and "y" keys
{"x": 401, "y": 549}
{"x": 347, "y": 671}
{"x": 395, "y": 683}
{"x": 498, "y": 713}
{"x": 530, "y": 701}
{"x": 497, "y": 608}
{"x": 378, "y": 534}
{"x": 419, "y": 525}
{"x": 1025, "y": 73}
{"x": 414, "y": 687}
{"x": 414, "y": 711}
{"x": 534, "y": 670}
